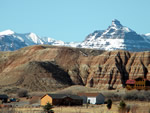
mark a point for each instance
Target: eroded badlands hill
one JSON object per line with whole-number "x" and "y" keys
{"x": 47, "y": 68}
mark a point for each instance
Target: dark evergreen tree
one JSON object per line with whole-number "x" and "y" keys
{"x": 109, "y": 103}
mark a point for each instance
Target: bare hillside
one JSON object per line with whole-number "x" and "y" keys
{"x": 47, "y": 68}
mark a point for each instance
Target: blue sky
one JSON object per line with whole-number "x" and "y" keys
{"x": 72, "y": 20}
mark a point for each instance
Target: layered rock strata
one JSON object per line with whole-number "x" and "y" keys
{"x": 47, "y": 68}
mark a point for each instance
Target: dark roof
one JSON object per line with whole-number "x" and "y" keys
{"x": 75, "y": 97}
{"x": 3, "y": 96}
{"x": 61, "y": 96}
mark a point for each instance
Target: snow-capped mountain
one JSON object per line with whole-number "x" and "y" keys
{"x": 10, "y": 40}
{"x": 6, "y": 32}
{"x": 116, "y": 37}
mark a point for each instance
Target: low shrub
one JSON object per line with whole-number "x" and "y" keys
{"x": 122, "y": 107}
{"x": 48, "y": 108}
{"x": 22, "y": 93}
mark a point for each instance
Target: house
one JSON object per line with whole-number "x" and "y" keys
{"x": 92, "y": 98}
{"x": 61, "y": 99}
{"x": 130, "y": 84}
{"x": 139, "y": 83}
{"x": 4, "y": 98}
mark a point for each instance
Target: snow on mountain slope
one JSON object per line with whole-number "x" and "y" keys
{"x": 35, "y": 38}
{"x": 52, "y": 41}
{"x": 7, "y": 32}
{"x": 9, "y": 40}
{"x": 10, "y": 43}
{"x": 72, "y": 44}
{"x": 148, "y": 34}
{"x": 116, "y": 37}
{"x": 29, "y": 38}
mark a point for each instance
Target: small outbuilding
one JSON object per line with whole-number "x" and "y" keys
{"x": 61, "y": 99}
{"x": 92, "y": 98}
{"x": 4, "y": 98}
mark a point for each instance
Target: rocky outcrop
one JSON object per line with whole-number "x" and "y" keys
{"x": 47, "y": 68}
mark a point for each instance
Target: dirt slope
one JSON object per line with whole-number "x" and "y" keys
{"x": 46, "y": 68}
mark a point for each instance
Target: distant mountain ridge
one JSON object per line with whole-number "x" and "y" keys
{"x": 10, "y": 41}
{"x": 115, "y": 37}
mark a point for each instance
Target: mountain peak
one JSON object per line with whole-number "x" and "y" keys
{"x": 116, "y": 23}
{"x": 7, "y": 32}
{"x": 32, "y": 34}
{"x": 117, "y": 37}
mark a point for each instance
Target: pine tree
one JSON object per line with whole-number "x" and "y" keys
{"x": 109, "y": 103}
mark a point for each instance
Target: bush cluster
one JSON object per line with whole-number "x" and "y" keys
{"x": 22, "y": 93}
{"x": 113, "y": 96}
{"x": 129, "y": 95}
{"x": 137, "y": 95}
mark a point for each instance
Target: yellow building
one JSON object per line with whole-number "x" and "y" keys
{"x": 46, "y": 99}
{"x": 139, "y": 83}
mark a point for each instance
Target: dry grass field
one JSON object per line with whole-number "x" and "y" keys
{"x": 136, "y": 107}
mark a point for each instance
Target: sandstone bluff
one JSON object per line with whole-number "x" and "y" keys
{"x": 47, "y": 68}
